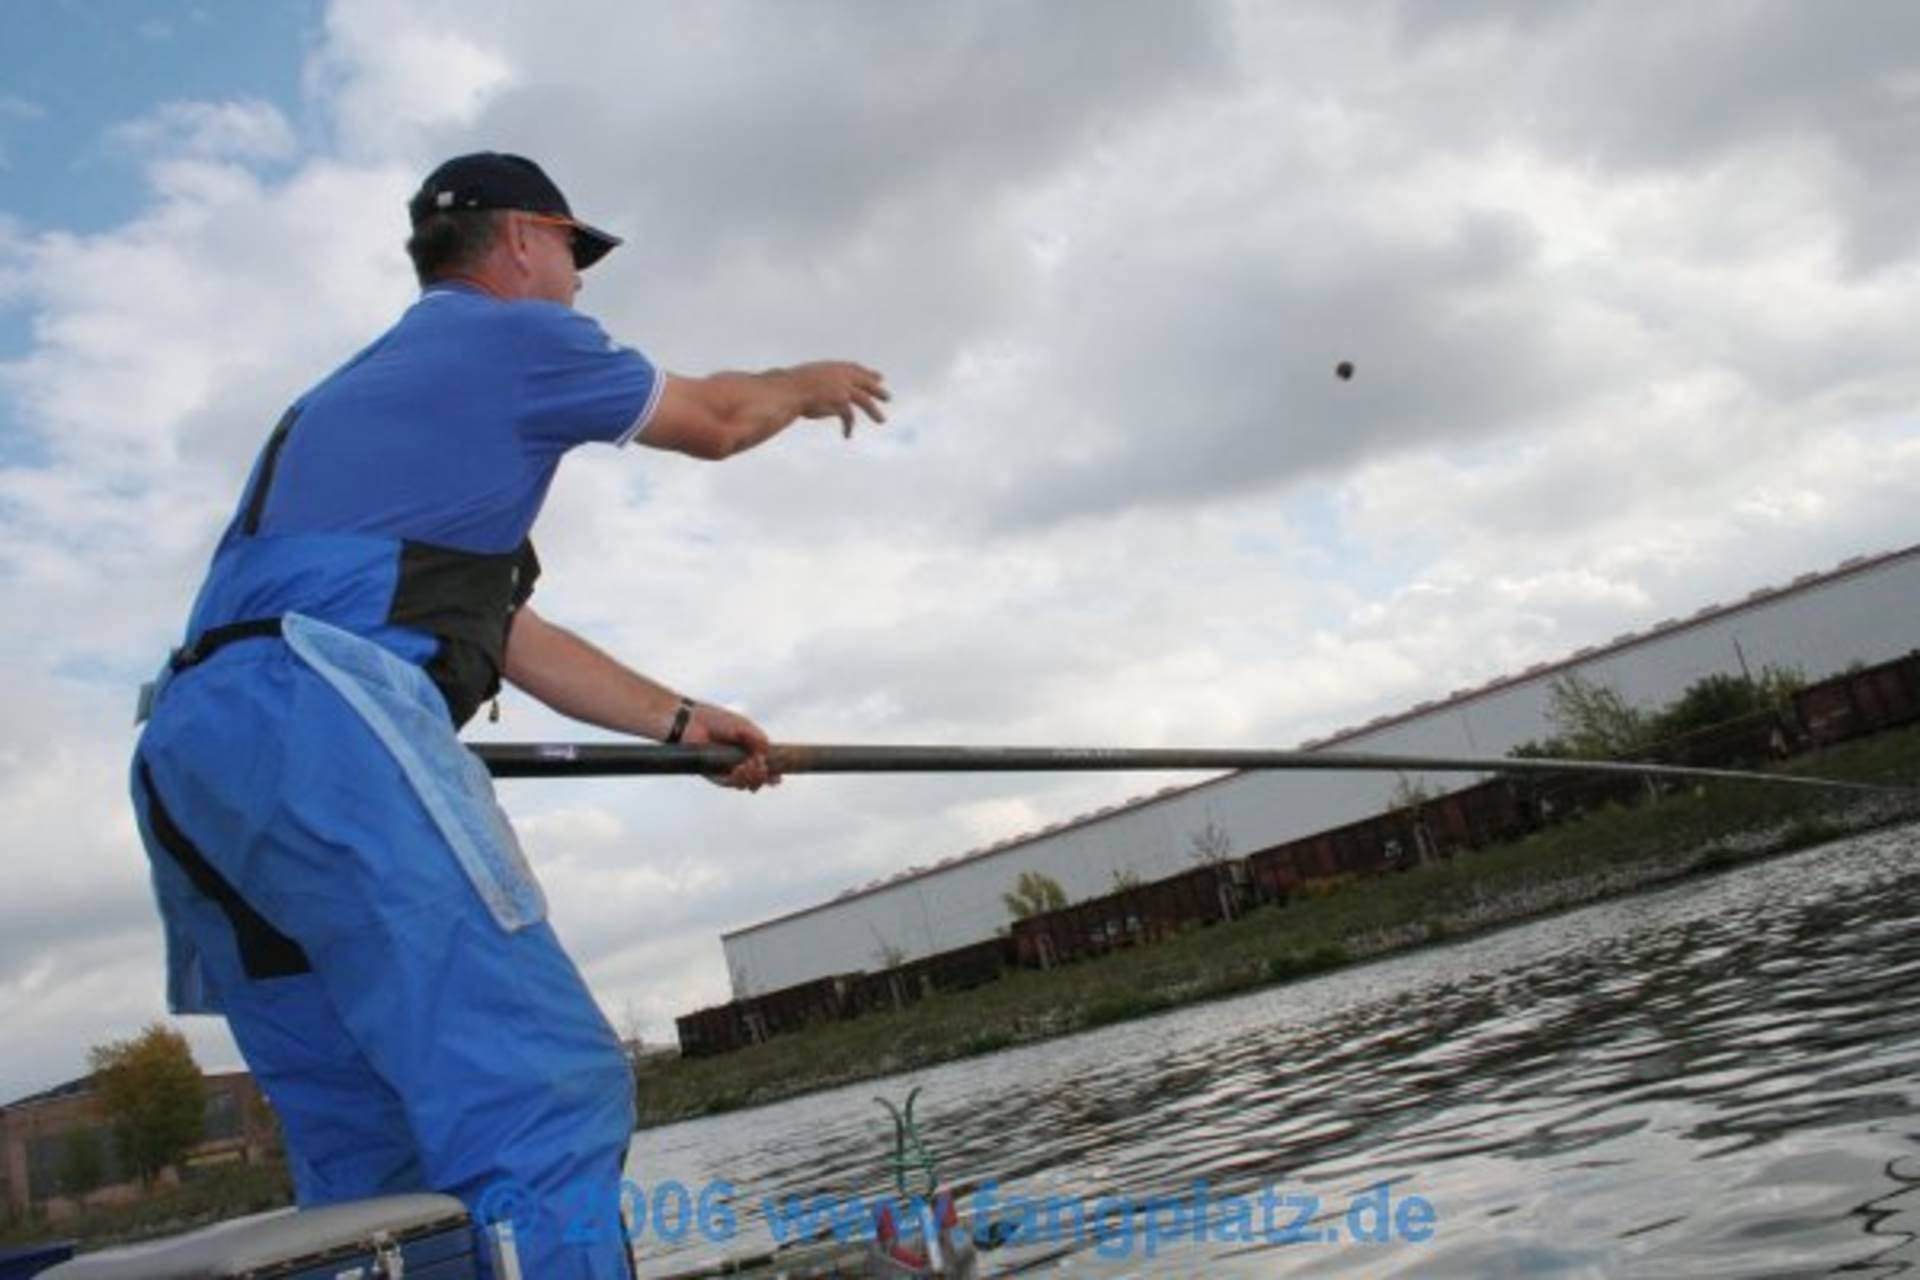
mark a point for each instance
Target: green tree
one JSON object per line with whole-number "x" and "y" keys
{"x": 1709, "y": 701}
{"x": 150, "y": 1089}
{"x": 1716, "y": 699}
{"x": 83, "y": 1162}
{"x": 1034, "y": 893}
{"x": 1592, "y": 720}
{"x": 1536, "y": 749}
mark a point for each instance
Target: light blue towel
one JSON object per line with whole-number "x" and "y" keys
{"x": 399, "y": 703}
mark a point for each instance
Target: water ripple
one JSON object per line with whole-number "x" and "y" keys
{"x": 1720, "y": 1079}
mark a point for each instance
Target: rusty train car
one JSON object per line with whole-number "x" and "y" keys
{"x": 740, "y": 1023}
{"x": 1133, "y": 914}
{"x": 1850, "y": 705}
{"x": 1860, "y": 702}
{"x": 1489, "y": 812}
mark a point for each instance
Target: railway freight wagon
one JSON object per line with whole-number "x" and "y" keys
{"x": 1859, "y": 702}
{"x": 1474, "y": 817}
{"x": 706, "y": 1032}
{"x": 739, "y": 1023}
{"x": 1137, "y": 913}
{"x": 964, "y": 968}
{"x": 1074, "y": 932}
{"x": 1207, "y": 894}
{"x": 1384, "y": 843}
{"x": 790, "y": 1008}
{"x": 960, "y": 969}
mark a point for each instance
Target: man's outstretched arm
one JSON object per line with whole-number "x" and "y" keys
{"x": 582, "y": 681}
{"x": 727, "y": 413}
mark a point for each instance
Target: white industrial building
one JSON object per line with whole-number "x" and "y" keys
{"x": 1865, "y": 610}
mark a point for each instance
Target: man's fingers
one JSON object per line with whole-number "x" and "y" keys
{"x": 751, "y": 774}
{"x": 844, "y": 387}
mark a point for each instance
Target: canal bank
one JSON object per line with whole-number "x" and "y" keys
{"x": 1602, "y": 855}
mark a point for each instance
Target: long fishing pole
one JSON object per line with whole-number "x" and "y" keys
{"x": 616, "y": 759}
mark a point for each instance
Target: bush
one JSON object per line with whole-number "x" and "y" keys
{"x": 1292, "y": 965}
{"x": 986, "y": 1042}
{"x": 1121, "y": 1008}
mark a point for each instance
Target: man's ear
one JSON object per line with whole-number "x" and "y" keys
{"x": 516, "y": 234}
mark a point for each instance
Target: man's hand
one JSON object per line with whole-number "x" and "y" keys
{"x": 717, "y": 724}
{"x": 835, "y": 388}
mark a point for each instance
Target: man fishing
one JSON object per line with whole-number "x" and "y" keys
{"x": 332, "y": 870}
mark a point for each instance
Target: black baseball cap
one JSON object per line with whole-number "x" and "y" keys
{"x": 496, "y": 180}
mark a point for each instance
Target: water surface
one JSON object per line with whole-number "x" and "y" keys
{"x": 1718, "y": 1079}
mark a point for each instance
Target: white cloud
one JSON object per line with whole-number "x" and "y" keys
{"x": 252, "y": 131}
{"x": 396, "y": 81}
{"x": 1620, "y": 353}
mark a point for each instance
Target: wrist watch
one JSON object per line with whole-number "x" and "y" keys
{"x": 681, "y": 715}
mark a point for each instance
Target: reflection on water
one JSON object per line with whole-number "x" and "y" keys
{"x": 1721, "y": 1079}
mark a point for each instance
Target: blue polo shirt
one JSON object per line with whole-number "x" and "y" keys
{"x": 449, "y": 427}
{"x": 396, "y": 497}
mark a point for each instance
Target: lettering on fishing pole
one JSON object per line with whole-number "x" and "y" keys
{"x": 1114, "y": 1225}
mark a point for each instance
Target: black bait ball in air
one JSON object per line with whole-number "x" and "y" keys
{"x": 1344, "y": 370}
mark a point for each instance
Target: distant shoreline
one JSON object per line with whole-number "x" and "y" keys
{"x": 1605, "y": 855}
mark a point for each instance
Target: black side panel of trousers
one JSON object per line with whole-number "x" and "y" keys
{"x": 265, "y": 952}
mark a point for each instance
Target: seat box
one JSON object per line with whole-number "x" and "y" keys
{"x": 421, "y": 1237}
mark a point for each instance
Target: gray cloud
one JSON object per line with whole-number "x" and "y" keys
{"x": 791, "y": 125}
{"x": 1630, "y": 291}
{"x": 1685, "y": 87}
{"x": 1208, "y": 369}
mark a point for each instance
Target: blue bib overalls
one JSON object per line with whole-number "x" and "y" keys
{"x": 332, "y": 870}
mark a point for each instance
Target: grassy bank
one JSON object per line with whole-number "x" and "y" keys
{"x": 1602, "y": 855}
{"x": 225, "y": 1191}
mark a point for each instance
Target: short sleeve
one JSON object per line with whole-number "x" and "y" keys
{"x": 579, "y": 385}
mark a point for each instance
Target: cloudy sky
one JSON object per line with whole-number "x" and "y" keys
{"x": 1632, "y": 291}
